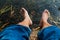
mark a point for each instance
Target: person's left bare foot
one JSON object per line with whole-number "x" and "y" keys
{"x": 27, "y": 20}
{"x": 27, "y": 15}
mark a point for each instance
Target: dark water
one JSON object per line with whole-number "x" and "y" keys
{"x": 37, "y": 7}
{"x": 52, "y": 5}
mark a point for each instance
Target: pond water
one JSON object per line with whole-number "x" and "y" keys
{"x": 53, "y": 6}
{"x": 36, "y": 7}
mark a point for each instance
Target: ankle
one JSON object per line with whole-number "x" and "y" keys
{"x": 46, "y": 25}
{"x": 23, "y": 24}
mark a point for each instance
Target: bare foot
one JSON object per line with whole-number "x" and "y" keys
{"x": 45, "y": 15}
{"x": 24, "y": 11}
{"x": 27, "y": 21}
{"x": 27, "y": 16}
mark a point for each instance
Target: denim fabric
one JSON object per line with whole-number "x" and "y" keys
{"x": 19, "y": 32}
{"x": 15, "y": 32}
{"x": 49, "y": 33}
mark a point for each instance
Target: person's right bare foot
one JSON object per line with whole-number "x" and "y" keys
{"x": 45, "y": 15}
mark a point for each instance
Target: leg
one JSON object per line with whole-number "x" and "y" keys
{"x": 27, "y": 21}
{"x": 45, "y": 15}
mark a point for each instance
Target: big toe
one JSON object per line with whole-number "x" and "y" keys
{"x": 45, "y": 15}
{"x": 46, "y": 12}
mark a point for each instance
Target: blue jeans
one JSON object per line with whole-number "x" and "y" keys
{"x": 49, "y": 33}
{"x": 19, "y": 32}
